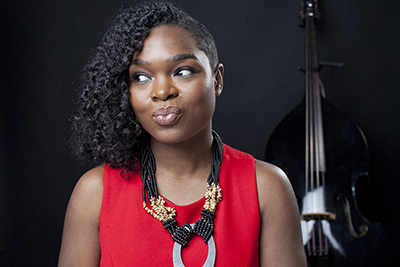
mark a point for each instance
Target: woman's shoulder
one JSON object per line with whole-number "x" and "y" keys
{"x": 269, "y": 173}
{"x": 88, "y": 191}
{"x": 280, "y": 218}
{"x": 273, "y": 185}
{"x": 81, "y": 227}
{"x": 91, "y": 181}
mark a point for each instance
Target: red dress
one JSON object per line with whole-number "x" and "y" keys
{"x": 131, "y": 237}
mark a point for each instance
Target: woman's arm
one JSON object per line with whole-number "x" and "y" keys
{"x": 280, "y": 237}
{"x": 80, "y": 242}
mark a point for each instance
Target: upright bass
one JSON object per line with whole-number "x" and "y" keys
{"x": 325, "y": 156}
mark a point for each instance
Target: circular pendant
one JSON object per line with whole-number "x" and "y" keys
{"x": 210, "y": 261}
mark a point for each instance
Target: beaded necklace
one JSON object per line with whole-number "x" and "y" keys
{"x": 204, "y": 226}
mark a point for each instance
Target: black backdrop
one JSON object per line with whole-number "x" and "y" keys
{"x": 44, "y": 45}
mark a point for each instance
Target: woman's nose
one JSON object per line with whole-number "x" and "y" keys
{"x": 163, "y": 90}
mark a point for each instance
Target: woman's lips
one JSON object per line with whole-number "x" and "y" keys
{"x": 166, "y": 116}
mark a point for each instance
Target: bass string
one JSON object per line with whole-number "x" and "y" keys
{"x": 315, "y": 158}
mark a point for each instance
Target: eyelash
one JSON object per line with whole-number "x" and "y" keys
{"x": 191, "y": 69}
{"x": 135, "y": 76}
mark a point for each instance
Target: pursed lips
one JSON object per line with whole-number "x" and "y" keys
{"x": 166, "y": 116}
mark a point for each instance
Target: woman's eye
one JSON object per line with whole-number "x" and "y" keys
{"x": 140, "y": 78}
{"x": 184, "y": 72}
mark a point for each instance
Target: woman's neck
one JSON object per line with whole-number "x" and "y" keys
{"x": 183, "y": 161}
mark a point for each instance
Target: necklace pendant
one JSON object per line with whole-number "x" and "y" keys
{"x": 210, "y": 261}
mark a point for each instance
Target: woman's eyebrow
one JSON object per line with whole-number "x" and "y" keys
{"x": 181, "y": 57}
{"x": 138, "y": 62}
{"x": 172, "y": 59}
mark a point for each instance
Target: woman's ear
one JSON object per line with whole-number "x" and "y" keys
{"x": 219, "y": 79}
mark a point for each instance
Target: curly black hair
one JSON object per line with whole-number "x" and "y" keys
{"x": 104, "y": 126}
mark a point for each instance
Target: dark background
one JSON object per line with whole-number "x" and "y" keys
{"x": 44, "y": 45}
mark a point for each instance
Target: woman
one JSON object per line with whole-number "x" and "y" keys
{"x": 169, "y": 192}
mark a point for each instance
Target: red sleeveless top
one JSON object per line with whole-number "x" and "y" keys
{"x": 131, "y": 237}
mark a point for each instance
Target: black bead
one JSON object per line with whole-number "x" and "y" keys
{"x": 183, "y": 234}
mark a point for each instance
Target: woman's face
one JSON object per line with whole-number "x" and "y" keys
{"x": 172, "y": 86}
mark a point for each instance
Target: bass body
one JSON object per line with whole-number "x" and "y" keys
{"x": 326, "y": 158}
{"x": 350, "y": 239}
